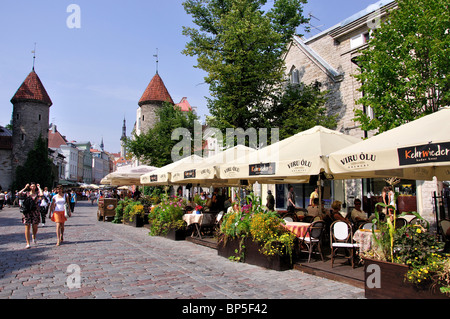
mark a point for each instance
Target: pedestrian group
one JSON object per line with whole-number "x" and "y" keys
{"x": 36, "y": 204}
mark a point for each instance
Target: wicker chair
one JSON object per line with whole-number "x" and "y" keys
{"x": 341, "y": 237}
{"x": 313, "y": 238}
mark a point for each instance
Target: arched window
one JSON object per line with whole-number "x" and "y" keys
{"x": 294, "y": 75}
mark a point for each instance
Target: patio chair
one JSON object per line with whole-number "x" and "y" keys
{"x": 341, "y": 237}
{"x": 218, "y": 220}
{"x": 207, "y": 224}
{"x": 419, "y": 221}
{"x": 400, "y": 222}
{"x": 308, "y": 219}
{"x": 366, "y": 225}
{"x": 313, "y": 238}
{"x": 444, "y": 226}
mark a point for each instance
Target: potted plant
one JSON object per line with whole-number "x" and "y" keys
{"x": 405, "y": 262}
{"x": 119, "y": 210}
{"x": 166, "y": 219}
{"x": 133, "y": 214}
{"x": 254, "y": 235}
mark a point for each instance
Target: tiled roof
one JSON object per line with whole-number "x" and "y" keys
{"x": 184, "y": 105}
{"x": 156, "y": 91}
{"x": 32, "y": 90}
{"x": 55, "y": 140}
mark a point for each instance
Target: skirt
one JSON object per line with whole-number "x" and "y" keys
{"x": 33, "y": 218}
{"x": 59, "y": 217}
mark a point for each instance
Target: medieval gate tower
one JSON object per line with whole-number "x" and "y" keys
{"x": 30, "y": 119}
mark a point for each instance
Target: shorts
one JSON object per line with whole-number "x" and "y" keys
{"x": 59, "y": 217}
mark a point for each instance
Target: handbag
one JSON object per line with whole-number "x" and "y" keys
{"x": 66, "y": 210}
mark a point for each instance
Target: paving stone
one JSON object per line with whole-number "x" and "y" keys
{"x": 123, "y": 262}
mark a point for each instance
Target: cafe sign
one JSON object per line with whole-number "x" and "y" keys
{"x": 361, "y": 160}
{"x": 261, "y": 169}
{"x": 429, "y": 153}
{"x": 153, "y": 178}
{"x": 299, "y": 166}
{"x": 231, "y": 171}
{"x": 189, "y": 174}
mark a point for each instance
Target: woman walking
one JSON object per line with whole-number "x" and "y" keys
{"x": 30, "y": 210}
{"x": 57, "y": 213}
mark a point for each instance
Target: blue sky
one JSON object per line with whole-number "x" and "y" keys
{"x": 96, "y": 74}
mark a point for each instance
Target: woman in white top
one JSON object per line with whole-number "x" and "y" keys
{"x": 57, "y": 213}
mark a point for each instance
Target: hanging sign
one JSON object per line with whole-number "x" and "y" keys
{"x": 261, "y": 169}
{"x": 429, "y": 153}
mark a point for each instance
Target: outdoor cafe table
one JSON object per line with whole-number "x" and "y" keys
{"x": 364, "y": 238}
{"x": 196, "y": 220}
{"x": 298, "y": 228}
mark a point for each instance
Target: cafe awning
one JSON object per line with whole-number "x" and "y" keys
{"x": 161, "y": 176}
{"x": 128, "y": 175}
{"x": 292, "y": 160}
{"x": 204, "y": 172}
{"x": 417, "y": 150}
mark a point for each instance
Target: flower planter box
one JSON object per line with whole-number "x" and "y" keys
{"x": 252, "y": 255}
{"x": 136, "y": 221}
{"x": 176, "y": 234}
{"x": 392, "y": 284}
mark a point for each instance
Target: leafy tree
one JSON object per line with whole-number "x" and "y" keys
{"x": 301, "y": 107}
{"x": 241, "y": 47}
{"x": 38, "y": 167}
{"x": 155, "y": 146}
{"x": 405, "y": 69}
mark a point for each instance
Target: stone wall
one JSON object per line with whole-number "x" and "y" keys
{"x": 30, "y": 119}
{"x": 148, "y": 116}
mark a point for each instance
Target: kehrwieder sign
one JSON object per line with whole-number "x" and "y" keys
{"x": 261, "y": 169}
{"x": 429, "y": 153}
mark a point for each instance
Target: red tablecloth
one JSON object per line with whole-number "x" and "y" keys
{"x": 364, "y": 237}
{"x": 299, "y": 229}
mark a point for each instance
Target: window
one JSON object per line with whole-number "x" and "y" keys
{"x": 40, "y": 117}
{"x": 359, "y": 40}
{"x": 295, "y": 76}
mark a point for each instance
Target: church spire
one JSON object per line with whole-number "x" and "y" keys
{"x": 124, "y": 129}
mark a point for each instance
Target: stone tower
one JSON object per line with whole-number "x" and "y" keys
{"x": 153, "y": 98}
{"x": 31, "y": 108}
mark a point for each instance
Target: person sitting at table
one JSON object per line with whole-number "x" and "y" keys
{"x": 336, "y": 212}
{"x": 357, "y": 214}
{"x": 313, "y": 210}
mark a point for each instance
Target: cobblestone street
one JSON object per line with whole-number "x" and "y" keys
{"x": 119, "y": 261}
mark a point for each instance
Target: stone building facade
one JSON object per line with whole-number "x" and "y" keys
{"x": 330, "y": 57}
{"x": 5, "y": 158}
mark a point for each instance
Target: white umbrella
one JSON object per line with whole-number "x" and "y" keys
{"x": 204, "y": 171}
{"x": 291, "y": 160}
{"x": 161, "y": 176}
{"x": 417, "y": 150}
{"x": 129, "y": 175}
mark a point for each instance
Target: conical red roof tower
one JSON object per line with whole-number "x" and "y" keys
{"x": 156, "y": 91}
{"x": 32, "y": 90}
